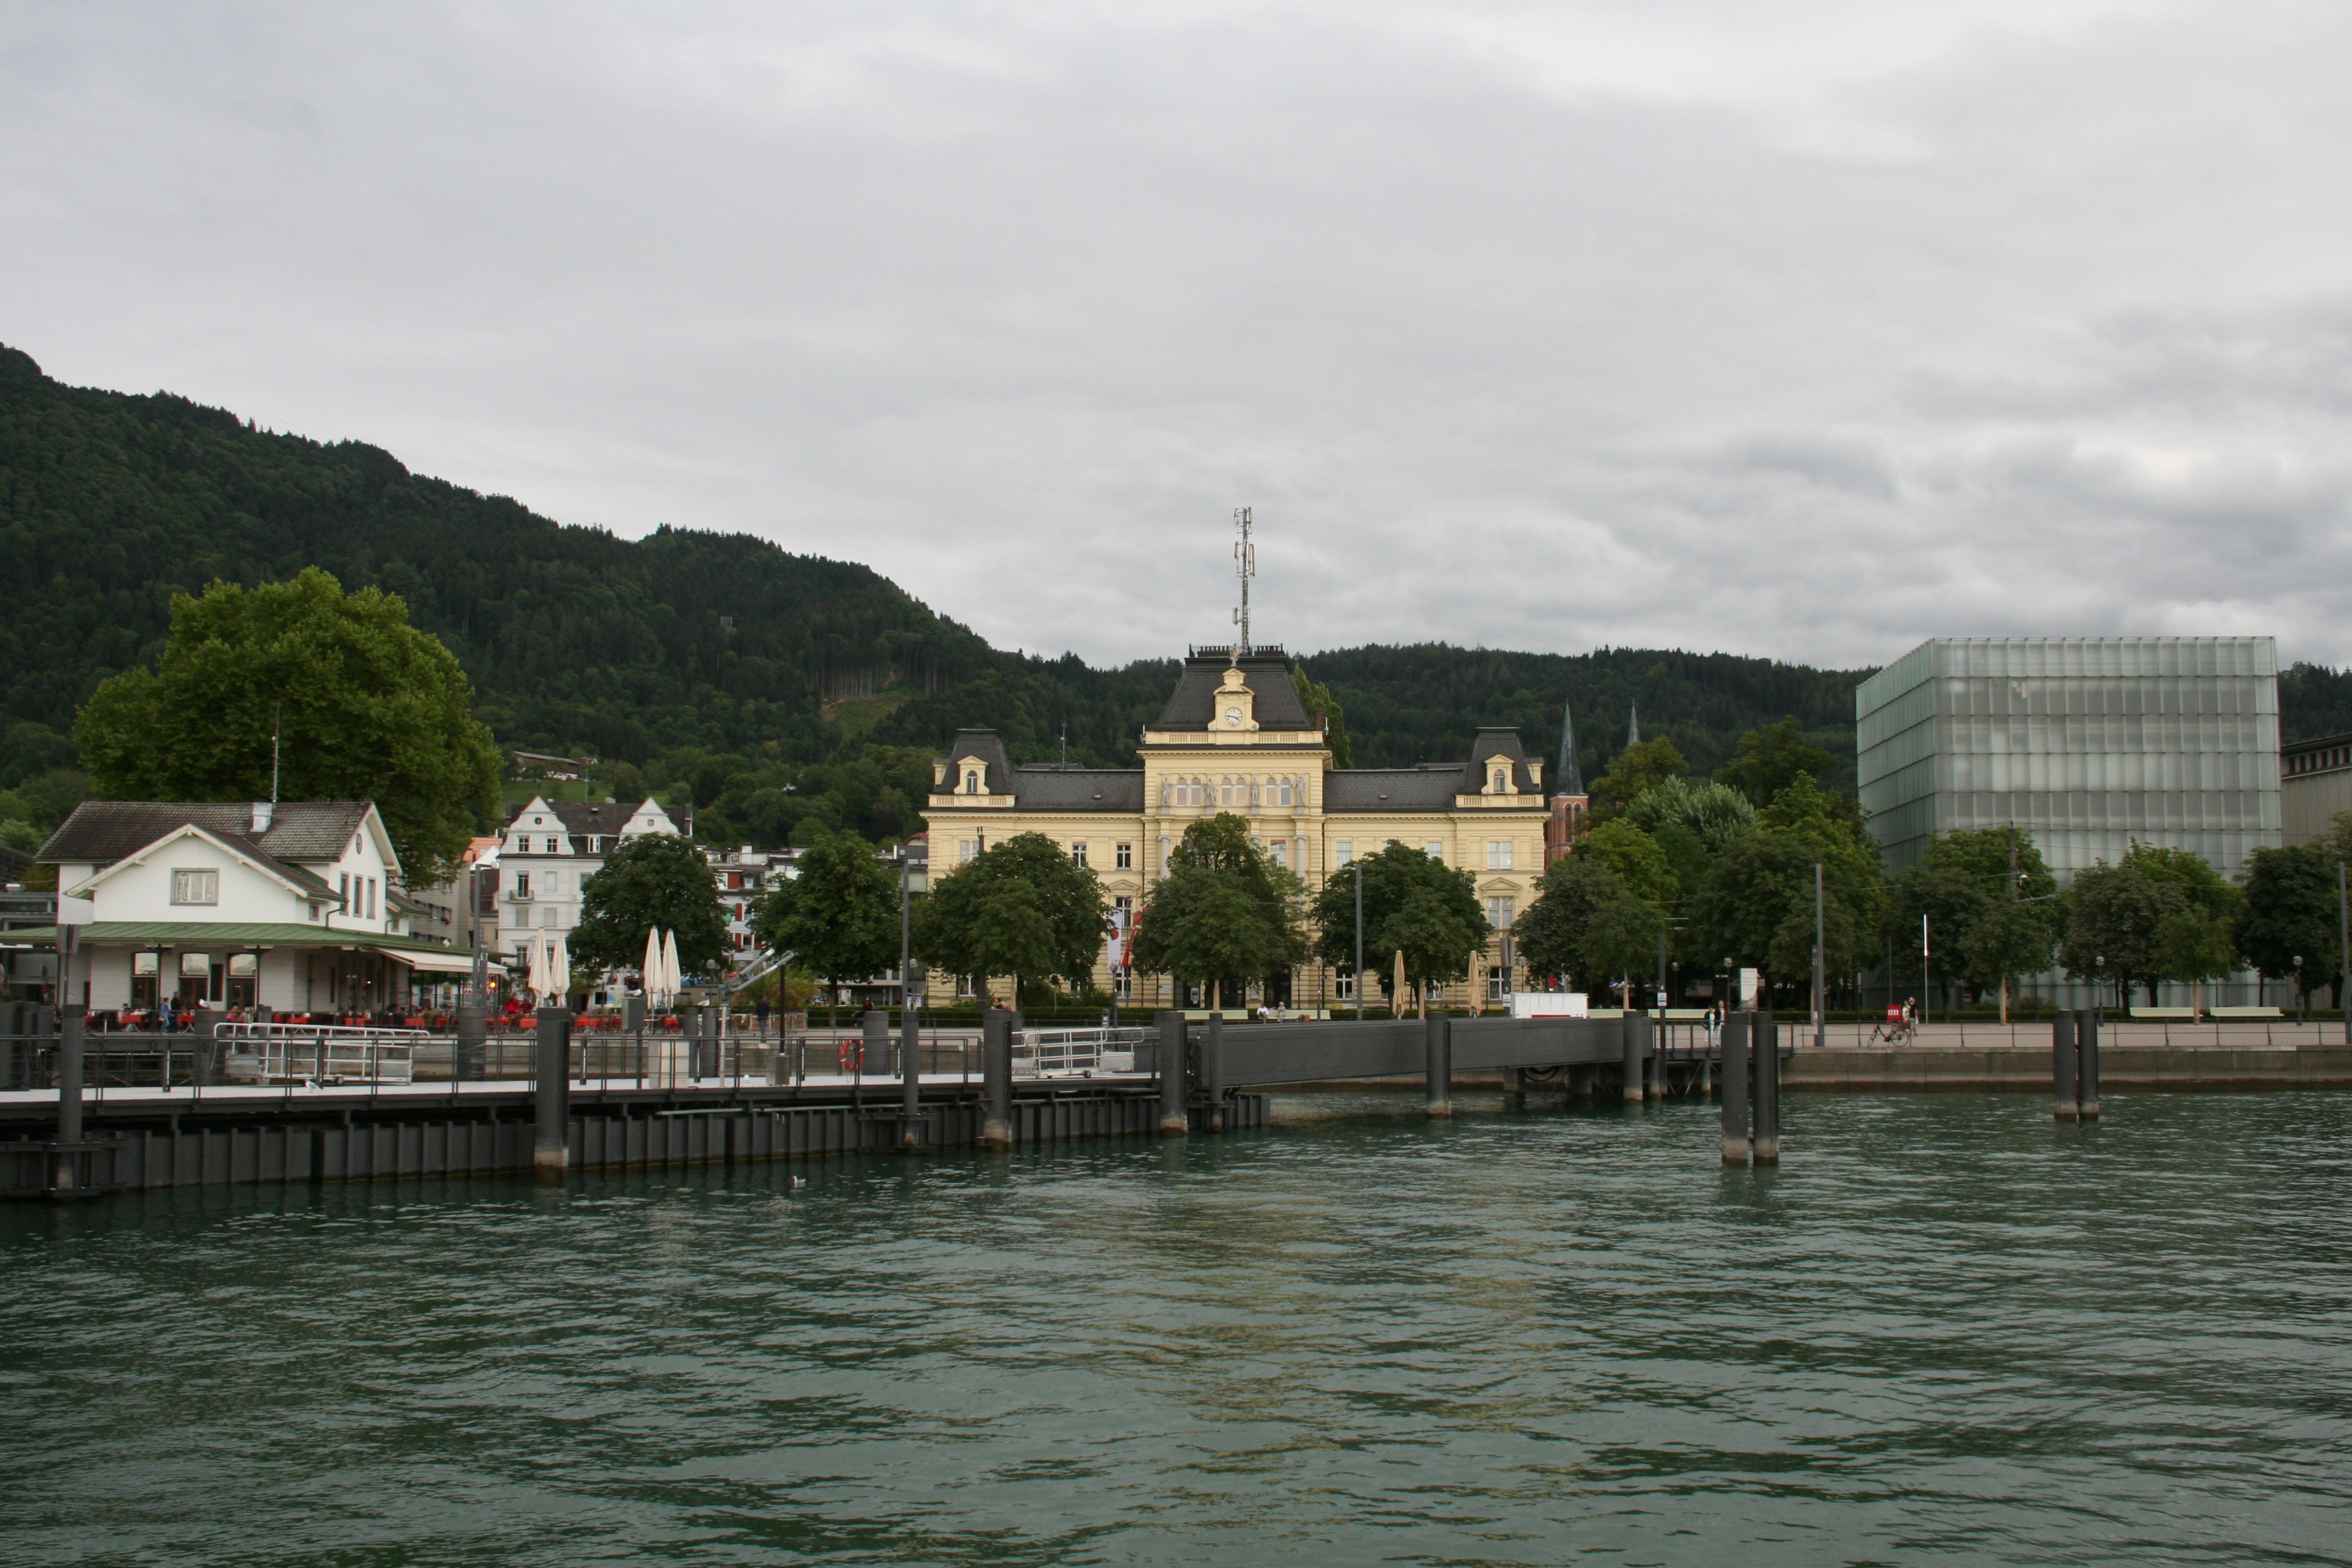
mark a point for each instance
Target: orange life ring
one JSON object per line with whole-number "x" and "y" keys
{"x": 853, "y": 1055}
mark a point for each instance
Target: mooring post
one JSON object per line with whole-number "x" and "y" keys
{"x": 551, "y": 1154}
{"x": 1653, "y": 1050}
{"x": 1764, "y": 1049}
{"x": 877, "y": 1043}
{"x": 1168, "y": 1059}
{"x": 1515, "y": 1085}
{"x": 1630, "y": 1040}
{"x": 1437, "y": 1063}
{"x": 1736, "y": 1126}
{"x": 1580, "y": 1082}
{"x": 1213, "y": 1070}
{"x": 910, "y": 1077}
{"x": 472, "y": 1044}
{"x": 2087, "y": 1065}
{"x": 2062, "y": 1065}
{"x": 63, "y": 1177}
{"x": 996, "y": 1079}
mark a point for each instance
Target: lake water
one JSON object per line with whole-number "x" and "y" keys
{"x": 1945, "y": 1330}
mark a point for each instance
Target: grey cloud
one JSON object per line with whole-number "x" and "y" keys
{"x": 1805, "y": 330}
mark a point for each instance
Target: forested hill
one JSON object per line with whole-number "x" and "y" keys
{"x": 702, "y": 658}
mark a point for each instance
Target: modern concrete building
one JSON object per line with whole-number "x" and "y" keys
{"x": 2088, "y": 744}
{"x": 2315, "y": 783}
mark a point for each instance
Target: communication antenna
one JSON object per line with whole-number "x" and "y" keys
{"x": 276, "y": 712}
{"x": 1246, "y": 568}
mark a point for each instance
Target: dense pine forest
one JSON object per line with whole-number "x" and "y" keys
{"x": 767, "y": 688}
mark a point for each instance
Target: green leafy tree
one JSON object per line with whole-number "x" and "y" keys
{"x": 1955, "y": 903}
{"x": 1635, "y": 770}
{"x": 2289, "y": 913}
{"x": 647, "y": 883}
{"x": 2115, "y": 927}
{"x": 1621, "y": 939}
{"x": 1771, "y": 758}
{"x": 1316, "y": 699}
{"x": 1020, "y": 908}
{"x": 1982, "y": 854}
{"x": 1711, "y": 810}
{"x": 1549, "y": 933}
{"x": 838, "y": 916}
{"x": 1637, "y": 860}
{"x": 1203, "y": 924}
{"x": 2196, "y": 946}
{"x": 1755, "y": 907}
{"x": 366, "y": 707}
{"x": 1438, "y": 929}
{"x": 1392, "y": 878}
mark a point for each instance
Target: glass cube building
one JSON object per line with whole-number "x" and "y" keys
{"x": 2086, "y": 743}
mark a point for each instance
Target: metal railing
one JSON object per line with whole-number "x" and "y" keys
{"x": 1060, "y": 1053}
{"x": 317, "y": 1053}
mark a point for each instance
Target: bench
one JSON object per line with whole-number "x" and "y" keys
{"x": 2236, "y": 1013}
{"x": 2167, "y": 1014}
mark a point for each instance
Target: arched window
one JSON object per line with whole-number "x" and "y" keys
{"x": 1502, "y": 782}
{"x": 971, "y": 781}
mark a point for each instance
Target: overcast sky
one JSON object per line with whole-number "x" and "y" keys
{"x": 1805, "y": 329}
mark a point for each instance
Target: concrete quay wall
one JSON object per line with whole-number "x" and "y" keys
{"x": 2182, "y": 1067}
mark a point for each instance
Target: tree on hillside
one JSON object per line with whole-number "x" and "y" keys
{"x": 837, "y": 915}
{"x": 1391, "y": 878}
{"x": 2290, "y": 913}
{"x": 1549, "y": 933}
{"x": 1020, "y": 908}
{"x": 2115, "y": 930}
{"x": 647, "y": 883}
{"x": 1769, "y": 760}
{"x": 1635, "y": 770}
{"x": 366, "y": 707}
{"x": 1316, "y": 699}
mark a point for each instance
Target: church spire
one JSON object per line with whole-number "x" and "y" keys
{"x": 1569, "y": 779}
{"x": 1632, "y": 724}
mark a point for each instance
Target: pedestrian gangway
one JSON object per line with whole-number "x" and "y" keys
{"x": 317, "y": 1053}
{"x": 1073, "y": 1053}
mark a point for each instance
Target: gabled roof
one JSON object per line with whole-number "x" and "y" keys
{"x": 299, "y": 878}
{"x": 603, "y": 817}
{"x": 1275, "y": 701}
{"x": 100, "y": 832}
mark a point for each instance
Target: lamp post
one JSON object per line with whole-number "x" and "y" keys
{"x": 1821, "y": 983}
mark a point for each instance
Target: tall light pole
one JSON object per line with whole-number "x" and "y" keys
{"x": 1925, "y": 991}
{"x": 2344, "y": 952}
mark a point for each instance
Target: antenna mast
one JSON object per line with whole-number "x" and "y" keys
{"x": 276, "y": 713}
{"x": 1246, "y": 568}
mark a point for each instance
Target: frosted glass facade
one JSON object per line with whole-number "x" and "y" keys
{"x": 2087, "y": 744}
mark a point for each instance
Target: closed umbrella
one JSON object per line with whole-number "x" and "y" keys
{"x": 673, "y": 978}
{"x": 558, "y": 966}
{"x": 535, "y": 981}
{"x": 649, "y": 972}
{"x": 1396, "y": 996}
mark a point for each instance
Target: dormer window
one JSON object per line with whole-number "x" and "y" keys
{"x": 1502, "y": 781}
{"x": 971, "y": 781}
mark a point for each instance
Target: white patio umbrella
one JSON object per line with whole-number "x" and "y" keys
{"x": 558, "y": 966}
{"x": 650, "y": 970}
{"x": 673, "y": 978}
{"x": 535, "y": 981}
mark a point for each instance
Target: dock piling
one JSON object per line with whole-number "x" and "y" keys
{"x": 1437, "y": 1063}
{"x": 2063, "y": 1061}
{"x": 910, "y": 1078}
{"x": 2086, "y": 1066}
{"x": 551, "y": 1155}
{"x": 1764, "y": 1051}
{"x": 1213, "y": 1071}
{"x": 1630, "y": 1036}
{"x": 996, "y": 1079}
{"x": 1174, "y": 1122}
{"x": 1736, "y": 1132}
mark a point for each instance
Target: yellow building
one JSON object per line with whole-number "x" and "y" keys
{"x": 1235, "y": 738}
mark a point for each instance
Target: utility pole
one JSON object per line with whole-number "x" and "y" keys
{"x": 2344, "y": 952}
{"x": 1925, "y": 993}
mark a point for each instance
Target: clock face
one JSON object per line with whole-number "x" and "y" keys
{"x": 1233, "y": 717}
